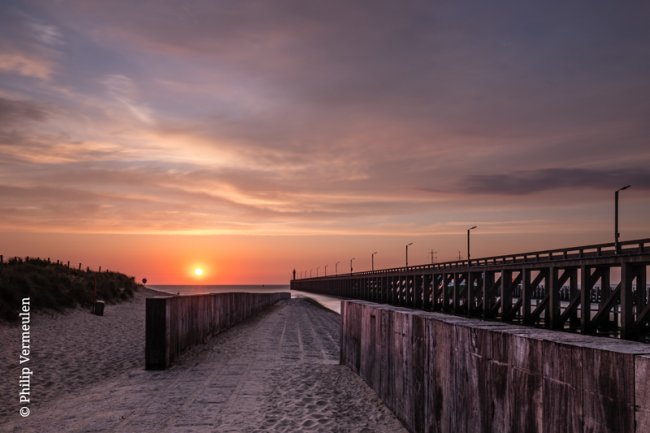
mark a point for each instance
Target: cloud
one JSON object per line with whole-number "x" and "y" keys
{"x": 13, "y": 111}
{"x": 123, "y": 90}
{"x": 26, "y": 64}
{"x": 292, "y": 115}
{"x": 533, "y": 181}
{"x": 46, "y": 34}
{"x": 29, "y": 47}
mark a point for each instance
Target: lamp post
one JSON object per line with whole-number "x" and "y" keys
{"x": 352, "y": 259}
{"x": 407, "y": 253}
{"x": 616, "y": 233}
{"x": 372, "y": 259}
{"x": 468, "y": 254}
{"x": 336, "y": 268}
{"x": 325, "y": 270}
{"x": 317, "y": 269}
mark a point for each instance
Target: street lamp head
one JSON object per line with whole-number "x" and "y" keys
{"x": 473, "y": 227}
{"x": 625, "y": 187}
{"x": 410, "y": 243}
{"x": 374, "y": 253}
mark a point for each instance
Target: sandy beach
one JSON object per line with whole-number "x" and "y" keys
{"x": 73, "y": 350}
{"x": 277, "y": 372}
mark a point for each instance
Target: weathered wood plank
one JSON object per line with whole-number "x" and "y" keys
{"x": 175, "y": 323}
{"x": 442, "y": 373}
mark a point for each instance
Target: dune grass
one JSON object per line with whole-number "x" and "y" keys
{"x": 56, "y": 287}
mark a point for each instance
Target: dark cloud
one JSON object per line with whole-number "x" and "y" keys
{"x": 529, "y": 182}
{"x": 14, "y": 111}
{"x": 468, "y": 67}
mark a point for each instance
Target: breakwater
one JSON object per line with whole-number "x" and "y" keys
{"x": 442, "y": 373}
{"x": 175, "y": 323}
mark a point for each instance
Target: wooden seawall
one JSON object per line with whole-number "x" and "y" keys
{"x": 442, "y": 373}
{"x": 175, "y": 323}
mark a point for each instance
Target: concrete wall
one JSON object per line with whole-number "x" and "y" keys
{"x": 441, "y": 373}
{"x": 175, "y": 323}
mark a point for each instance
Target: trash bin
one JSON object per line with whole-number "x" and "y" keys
{"x": 98, "y": 308}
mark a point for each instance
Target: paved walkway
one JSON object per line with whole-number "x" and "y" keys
{"x": 277, "y": 372}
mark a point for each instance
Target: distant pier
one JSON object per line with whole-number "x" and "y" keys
{"x": 593, "y": 289}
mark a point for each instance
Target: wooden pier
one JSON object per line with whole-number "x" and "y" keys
{"x": 593, "y": 289}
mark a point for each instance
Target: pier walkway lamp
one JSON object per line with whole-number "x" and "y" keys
{"x": 336, "y": 268}
{"x": 616, "y": 233}
{"x": 372, "y": 260}
{"x": 407, "y": 253}
{"x": 351, "y": 260}
{"x": 468, "y": 254}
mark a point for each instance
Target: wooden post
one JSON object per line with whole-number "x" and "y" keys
{"x": 573, "y": 292}
{"x": 553, "y": 298}
{"x": 506, "y": 293}
{"x": 526, "y": 292}
{"x": 585, "y": 298}
{"x": 627, "y": 311}
{"x": 455, "y": 293}
{"x": 488, "y": 282}
{"x": 157, "y": 333}
{"x": 469, "y": 295}
{"x": 2, "y": 259}
{"x": 605, "y": 291}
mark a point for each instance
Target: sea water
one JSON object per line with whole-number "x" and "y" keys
{"x": 329, "y": 302}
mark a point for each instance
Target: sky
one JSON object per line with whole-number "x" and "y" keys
{"x": 250, "y": 138}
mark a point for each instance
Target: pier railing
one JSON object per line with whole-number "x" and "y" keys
{"x": 594, "y": 289}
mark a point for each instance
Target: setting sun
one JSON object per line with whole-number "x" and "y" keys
{"x": 198, "y": 272}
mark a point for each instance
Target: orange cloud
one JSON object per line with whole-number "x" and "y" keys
{"x": 27, "y": 65}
